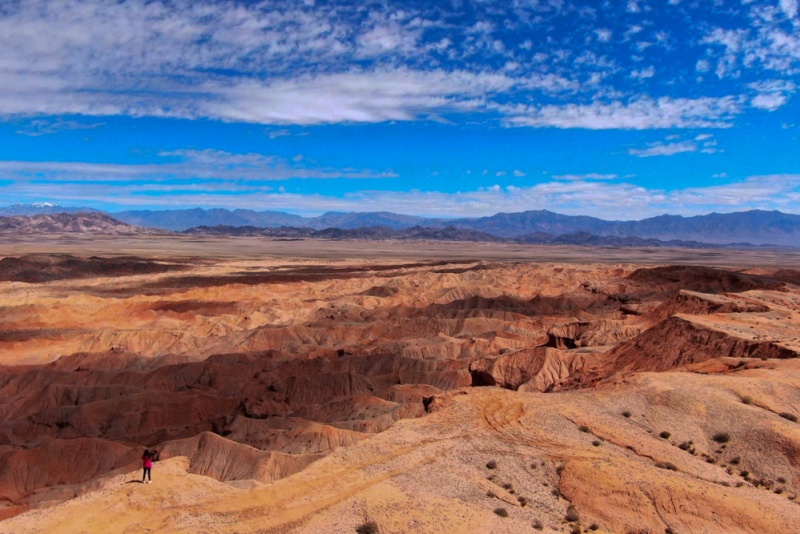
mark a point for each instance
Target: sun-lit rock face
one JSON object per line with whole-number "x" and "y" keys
{"x": 285, "y": 373}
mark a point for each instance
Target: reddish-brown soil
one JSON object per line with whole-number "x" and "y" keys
{"x": 312, "y": 395}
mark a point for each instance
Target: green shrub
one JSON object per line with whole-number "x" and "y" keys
{"x": 502, "y": 512}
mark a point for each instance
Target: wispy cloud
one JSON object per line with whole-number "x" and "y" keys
{"x": 526, "y": 63}
{"x": 641, "y": 113}
{"x": 585, "y": 177}
{"x": 595, "y": 197}
{"x": 664, "y": 149}
{"x": 191, "y": 165}
{"x": 38, "y": 127}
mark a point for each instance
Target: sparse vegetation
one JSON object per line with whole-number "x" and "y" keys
{"x": 583, "y": 428}
{"x": 502, "y": 512}
{"x": 789, "y": 416}
{"x": 668, "y": 530}
{"x": 370, "y": 527}
{"x": 572, "y": 514}
{"x": 664, "y": 435}
{"x": 490, "y": 494}
{"x": 626, "y": 414}
{"x": 744, "y": 474}
{"x": 781, "y": 480}
{"x": 491, "y": 464}
{"x": 538, "y": 525}
{"x": 507, "y": 486}
{"x": 594, "y": 526}
{"x": 746, "y": 399}
{"x": 597, "y": 443}
{"x": 735, "y": 461}
{"x": 667, "y": 465}
{"x": 522, "y": 501}
{"x": 721, "y": 437}
{"x": 556, "y": 493}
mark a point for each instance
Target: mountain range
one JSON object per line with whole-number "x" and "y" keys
{"x": 755, "y": 227}
{"x": 72, "y": 223}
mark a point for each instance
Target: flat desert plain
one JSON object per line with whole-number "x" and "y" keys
{"x": 329, "y": 387}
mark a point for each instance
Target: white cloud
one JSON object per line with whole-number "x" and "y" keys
{"x": 789, "y": 8}
{"x": 599, "y": 198}
{"x": 352, "y": 97}
{"x": 585, "y": 177}
{"x": 304, "y": 63}
{"x": 643, "y": 74}
{"x": 639, "y": 114}
{"x": 769, "y": 101}
{"x": 518, "y": 173}
{"x": 663, "y": 149}
{"x": 603, "y": 35}
{"x": 179, "y": 165}
{"x": 772, "y": 94}
{"x": 383, "y": 39}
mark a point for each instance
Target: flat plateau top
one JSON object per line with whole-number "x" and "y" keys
{"x": 256, "y": 247}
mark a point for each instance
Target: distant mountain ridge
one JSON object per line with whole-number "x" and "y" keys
{"x": 40, "y": 208}
{"x": 73, "y": 223}
{"x": 757, "y": 227}
{"x": 448, "y": 233}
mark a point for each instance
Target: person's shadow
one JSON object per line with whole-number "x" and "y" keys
{"x": 135, "y": 482}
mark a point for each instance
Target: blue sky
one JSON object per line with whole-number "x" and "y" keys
{"x": 620, "y": 110}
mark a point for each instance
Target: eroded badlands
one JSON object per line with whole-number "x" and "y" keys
{"x": 317, "y": 396}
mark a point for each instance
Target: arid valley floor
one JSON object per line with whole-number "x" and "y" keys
{"x": 300, "y": 386}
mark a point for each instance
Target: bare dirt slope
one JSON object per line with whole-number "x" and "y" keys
{"x": 319, "y": 394}
{"x": 551, "y": 451}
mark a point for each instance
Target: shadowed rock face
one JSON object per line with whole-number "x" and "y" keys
{"x": 254, "y": 370}
{"x": 37, "y": 268}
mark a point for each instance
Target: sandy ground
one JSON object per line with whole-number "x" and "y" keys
{"x": 166, "y": 246}
{"x": 430, "y": 474}
{"x": 300, "y": 386}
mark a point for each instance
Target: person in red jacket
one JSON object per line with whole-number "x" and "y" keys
{"x": 147, "y": 465}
